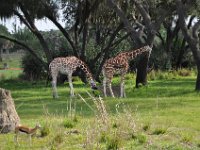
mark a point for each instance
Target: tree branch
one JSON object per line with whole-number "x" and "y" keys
{"x": 31, "y": 51}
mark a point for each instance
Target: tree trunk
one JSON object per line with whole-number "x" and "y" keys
{"x": 142, "y": 71}
{"x": 197, "y": 88}
{"x": 1, "y": 53}
{"x": 192, "y": 38}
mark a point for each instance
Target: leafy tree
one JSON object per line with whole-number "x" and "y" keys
{"x": 184, "y": 9}
{"x": 26, "y": 11}
{"x": 143, "y": 24}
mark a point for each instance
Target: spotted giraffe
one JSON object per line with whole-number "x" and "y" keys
{"x": 67, "y": 65}
{"x": 119, "y": 65}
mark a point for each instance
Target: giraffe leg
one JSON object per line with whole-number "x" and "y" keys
{"x": 54, "y": 88}
{"x": 104, "y": 86}
{"x": 122, "y": 90}
{"x": 71, "y": 85}
{"x": 110, "y": 88}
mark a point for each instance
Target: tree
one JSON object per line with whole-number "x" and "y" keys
{"x": 86, "y": 21}
{"x": 26, "y": 11}
{"x": 192, "y": 37}
{"x": 143, "y": 26}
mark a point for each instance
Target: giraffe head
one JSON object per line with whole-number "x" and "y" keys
{"x": 147, "y": 48}
{"x": 93, "y": 85}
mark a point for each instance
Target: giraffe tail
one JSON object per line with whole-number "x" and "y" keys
{"x": 48, "y": 78}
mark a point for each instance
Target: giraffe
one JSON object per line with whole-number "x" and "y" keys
{"x": 67, "y": 65}
{"x": 119, "y": 64}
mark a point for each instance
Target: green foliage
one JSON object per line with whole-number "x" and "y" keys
{"x": 158, "y": 131}
{"x": 141, "y": 138}
{"x": 146, "y": 127}
{"x": 164, "y": 75}
{"x": 112, "y": 143}
{"x": 58, "y": 139}
{"x": 103, "y": 137}
{"x": 45, "y": 131}
{"x": 68, "y": 124}
{"x": 184, "y": 72}
{"x": 115, "y": 125}
{"x": 186, "y": 138}
{"x": 33, "y": 70}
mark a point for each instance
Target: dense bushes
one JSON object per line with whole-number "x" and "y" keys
{"x": 33, "y": 70}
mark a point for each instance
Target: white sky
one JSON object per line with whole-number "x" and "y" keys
{"x": 43, "y": 25}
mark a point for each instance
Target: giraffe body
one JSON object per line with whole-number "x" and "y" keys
{"x": 119, "y": 65}
{"x": 67, "y": 65}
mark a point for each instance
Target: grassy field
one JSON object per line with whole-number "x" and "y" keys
{"x": 162, "y": 115}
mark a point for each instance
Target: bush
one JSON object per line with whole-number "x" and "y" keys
{"x": 184, "y": 72}
{"x": 112, "y": 143}
{"x": 146, "y": 127}
{"x": 159, "y": 131}
{"x": 68, "y": 124}
{"x": 45, "y": 131}
{"x": 33, "y": 70}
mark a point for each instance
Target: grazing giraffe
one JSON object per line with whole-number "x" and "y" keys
{"x": 119, "y": 64}
{"x": 67, "y": 65}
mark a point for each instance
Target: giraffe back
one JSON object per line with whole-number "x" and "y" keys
{"x": 120, "y": 63}
{"x": 67, "y": 65}
{"x": 63, "y": 65}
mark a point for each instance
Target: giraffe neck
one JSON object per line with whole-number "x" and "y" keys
{"x": 89, "y": 77}
{"x": 132, "y": 54}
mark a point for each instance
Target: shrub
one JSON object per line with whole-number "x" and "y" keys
{"x": 45, "y": 131}
{"x": 58, "y": 139}
{"x": 146, "y": 127}
{"x": 103, "y": 137}
{"x": 159, "y": 131}
{"x": 33, "y": 70}
{"x": 198, "y": 145}
{"x": 112, "y": 143}
{"x": 184, "y": 72}
{"x": 115, "y": 125}
{"x": 68, "y": 124}
{"x": 141, "y": 138}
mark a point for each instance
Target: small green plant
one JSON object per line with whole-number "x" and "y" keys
{"x": 186, "y": 138}
{"x": 45, "y": 131}
{"x": 146, "y": 127}
{"x": 115, "y": 125}
{"x": 58, "y": 139}
{"x": 198, "y": 145}
{"x": 159, "y": 131}
{"x": 103, "y": 137}
{"x": 112, "y": 143}
{"x": 141, "y": 138}
{"x": 68, "y": 124}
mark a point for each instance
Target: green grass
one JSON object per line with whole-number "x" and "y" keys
{"x": 162, "y": 115}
